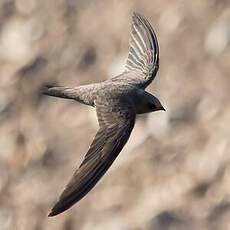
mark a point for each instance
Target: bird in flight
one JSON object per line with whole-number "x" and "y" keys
{"x": 117, "y": 101}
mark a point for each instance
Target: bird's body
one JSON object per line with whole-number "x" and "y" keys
{"x": 111, "y": 90}
{"x": 117, "y": 101}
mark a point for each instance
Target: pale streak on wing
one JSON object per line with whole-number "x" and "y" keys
{"x": 140, "y": 50}
{"x": 143, "y": 56}
{"x": 136, "y": 61}
{"x": 115, "y": 129}
{"x": 140, "y": 37}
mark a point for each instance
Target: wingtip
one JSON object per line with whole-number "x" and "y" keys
{"x": 50, "y": 214}
{"x": 53, "y": 212}
{"x": 136, "y": 15}
{"x": 56, "y": 210}
{"x": 60, "y": 207}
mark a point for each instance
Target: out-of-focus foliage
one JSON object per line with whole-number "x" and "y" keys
{"x": 173, "y": 174}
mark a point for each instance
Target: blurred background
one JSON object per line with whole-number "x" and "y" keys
{"x": 174, "y": 173}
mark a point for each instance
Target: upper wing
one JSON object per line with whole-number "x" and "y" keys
{"x": 116, "y": 124}
{"x": 143, "y": 57}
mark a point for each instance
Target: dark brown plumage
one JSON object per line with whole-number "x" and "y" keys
{"x": 117, "y": 101}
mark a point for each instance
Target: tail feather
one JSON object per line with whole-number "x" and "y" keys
{"x": 83, "y": 94}
{"x": 58, "y": 91}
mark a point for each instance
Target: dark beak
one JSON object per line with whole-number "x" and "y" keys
{"x": 162, "y": 108}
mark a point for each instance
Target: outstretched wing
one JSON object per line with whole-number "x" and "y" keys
{"x": 143, "y": 58}
{"x": 116, "y": 124}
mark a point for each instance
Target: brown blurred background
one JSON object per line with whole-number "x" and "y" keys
{"x": 173, "y": 174}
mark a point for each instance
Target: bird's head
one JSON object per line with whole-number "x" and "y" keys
{"x": 145, "y": 102}
{"x": 155, "y": 104}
